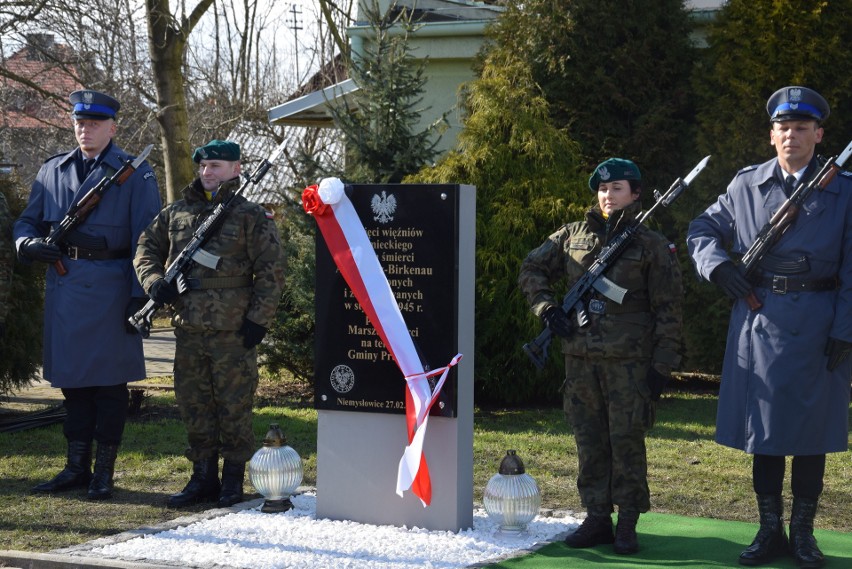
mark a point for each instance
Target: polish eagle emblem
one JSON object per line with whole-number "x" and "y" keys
{"x": 383, "y": 206}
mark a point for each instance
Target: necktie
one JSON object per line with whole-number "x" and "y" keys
{"x": 790, "y": 184}
{"x": 88, "y": 165}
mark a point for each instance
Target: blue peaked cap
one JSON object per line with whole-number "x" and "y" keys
{"x": 88, "y": 104}
{"x": 797, "y": 103}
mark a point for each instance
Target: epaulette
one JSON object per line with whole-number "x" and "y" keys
{"x": 748, "y": 169}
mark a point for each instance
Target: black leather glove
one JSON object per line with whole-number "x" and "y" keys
{"x": 656, "y": 383}
{"x": 35, "y": 249}
{"x": 135, "y": 305}
{"x": 163, "y": 292}
{"x": 252, "y": 333}
{"x": 837, "y": 351}
{"x": 731, "y": 280}
{"x": 558, "y": 322}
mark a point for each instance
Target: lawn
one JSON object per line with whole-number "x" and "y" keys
{"x": 688, "y": 473}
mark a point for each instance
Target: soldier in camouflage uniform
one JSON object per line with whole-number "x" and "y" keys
{"x": 7, "y": 259}
{"x": 218, "y": 322}
{"x": 617, "y": 366}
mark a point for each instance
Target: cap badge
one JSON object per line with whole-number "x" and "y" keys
{"x": 604, "y": 173}
{"x": 88, "y": 97}
{"x": 795, "y": 95}
{"x": 203, "y": 153}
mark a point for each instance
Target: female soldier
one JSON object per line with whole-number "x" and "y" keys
{"x": 617, "y": 365}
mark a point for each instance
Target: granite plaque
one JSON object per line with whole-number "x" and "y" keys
{"x": 414, "y": 231}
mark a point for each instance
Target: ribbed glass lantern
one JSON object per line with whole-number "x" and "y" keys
{"x": 275, "y": 470}
{"x": 512, "y": 497}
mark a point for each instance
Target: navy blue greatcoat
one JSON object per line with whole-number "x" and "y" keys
{"x": 776, "y": 396}
{"x": 85, "y": 340}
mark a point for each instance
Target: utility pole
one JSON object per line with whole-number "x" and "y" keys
{"x": 295, "y": 25}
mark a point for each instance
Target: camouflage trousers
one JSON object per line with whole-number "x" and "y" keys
{"x": 608, "y": 405}
{"x": 215, "y": 381}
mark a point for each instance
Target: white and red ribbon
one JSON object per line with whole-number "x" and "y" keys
{"x": 354, "y": 256}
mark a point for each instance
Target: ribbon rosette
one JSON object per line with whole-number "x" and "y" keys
{"x": 354, "y": 256}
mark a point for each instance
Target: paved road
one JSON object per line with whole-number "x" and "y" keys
{"x": 159, "y": 361}
{"x": 159, "y": 352}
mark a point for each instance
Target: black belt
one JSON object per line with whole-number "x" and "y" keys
{"x": 780, "y": 284}
{"x": 75, "y": 253}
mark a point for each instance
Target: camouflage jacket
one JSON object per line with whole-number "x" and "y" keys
{"x": 248, "y": 244}
{"x": 647, "y": 324}
{"x": 7, "y": 258}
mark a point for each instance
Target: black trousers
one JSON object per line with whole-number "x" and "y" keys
{"x": 96, "y": 413}
{"x": 806, "y": 476}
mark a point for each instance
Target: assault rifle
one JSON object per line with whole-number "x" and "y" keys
{"x": 575, "y": 299}
{"x": 785, "y": 216}
{"x": 79, "y": 211}
{"x": 193, "y": 253}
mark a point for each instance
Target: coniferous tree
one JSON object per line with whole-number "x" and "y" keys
{"x": 378, "y": 123}
{"x": 617, "y": 74}
{"x": 21, "y": 346}
{"x": 528, "y": 183}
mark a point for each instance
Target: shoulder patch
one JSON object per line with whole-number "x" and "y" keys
{"x": 269, "y": 214}
{"x": 748, "y": 169}
{"x": 148, "y": 175}
{"x": 846, "y": 173}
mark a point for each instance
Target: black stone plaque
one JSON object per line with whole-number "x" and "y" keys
{"x": 414, "y": 232}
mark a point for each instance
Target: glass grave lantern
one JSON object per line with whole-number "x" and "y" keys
{"x": 512, "y": 497}
{"x": 275, "y": 471}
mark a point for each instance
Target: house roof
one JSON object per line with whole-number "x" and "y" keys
{"x": 447, "y": 18}
{"x": 257, "y": 144}
{"x": 44, "y": 63}
{"x": 311, "y": 109}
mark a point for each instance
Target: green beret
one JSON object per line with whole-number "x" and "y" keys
{"x": 217, "y": 150}
{"x": 613, "y": 169}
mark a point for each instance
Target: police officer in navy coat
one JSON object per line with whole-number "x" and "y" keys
{"x": 785, "y": 376}
{"x": 89, "y": 350}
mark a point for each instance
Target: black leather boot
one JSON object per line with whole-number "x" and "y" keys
{"x": 626, "y": 540}
{"x": 595, "y": 530}
{"x": 203, "y": 485}
{"x": 802, "y": 541}
{"x": 771, "y": 540}
{"x": 233, "y": 475}
{"x": 100, "y": 488}
{"x": 77, "y": 472}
